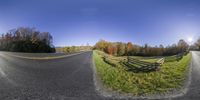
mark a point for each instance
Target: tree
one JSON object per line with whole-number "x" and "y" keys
{"x": 121, "y": 47}
{"x": 129, "y": 48}
{"x": 198, "y": 43}
{"x": 101, "y": 45}
{"x": 182, "y": 46}
{"x": 161, "y": 50}
{"x": 110, "y": 49}
{"x": 25, "y": 39}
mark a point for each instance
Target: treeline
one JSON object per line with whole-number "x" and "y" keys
{"x": 196, "y": 45}
{"x": 71, "y": 49}
{"x": 26, "y": 39}
{"x": 130, "y": 49}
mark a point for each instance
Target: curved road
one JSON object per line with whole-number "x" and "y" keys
{"x": 194, "y": 88}
{"x": 69, "y": 78}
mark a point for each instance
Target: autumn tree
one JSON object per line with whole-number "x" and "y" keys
{"x": 121, "y": 47}
{"x": 25, "y": 39}
{"x": 101, "y": 45}
{"x": 109, "y": 49}
{"x": 129, "y": 48}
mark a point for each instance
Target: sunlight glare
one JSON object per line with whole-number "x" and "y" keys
{"x": 190, "y": 39}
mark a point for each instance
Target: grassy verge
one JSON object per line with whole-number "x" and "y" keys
{"x": 171, "y": 76}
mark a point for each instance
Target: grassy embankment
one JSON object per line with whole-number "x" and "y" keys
{"x": 116, "y": 77}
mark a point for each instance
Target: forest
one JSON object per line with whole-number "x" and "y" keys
{"x": 25, "y": 39}
{"x": 130, "y": 49}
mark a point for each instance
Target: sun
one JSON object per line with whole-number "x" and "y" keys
{"x": 190, "y": 39}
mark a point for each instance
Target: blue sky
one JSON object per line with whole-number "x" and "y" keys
{"x": 77, "y": 22}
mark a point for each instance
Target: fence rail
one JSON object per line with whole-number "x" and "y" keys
{"x": 161, "y": 61}
{"x": 142, "y": 66}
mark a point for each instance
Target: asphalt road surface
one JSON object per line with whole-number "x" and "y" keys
{"x": 194, "y": 88}
{"x": 69, "y": 78}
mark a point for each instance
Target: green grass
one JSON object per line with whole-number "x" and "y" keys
{"x": 171, "y": 76}
{"x": 150, "y": 60}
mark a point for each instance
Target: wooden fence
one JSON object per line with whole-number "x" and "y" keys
{"x": 142, "y": 66}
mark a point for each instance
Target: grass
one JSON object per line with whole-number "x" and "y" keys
{"x": 170, "y": 58}
{"x": 150, "y": 60}
{"x": 171, "y": 76}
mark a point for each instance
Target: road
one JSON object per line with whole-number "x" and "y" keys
{"x": 194, "y": 88}
{"x": 69, "y": 78}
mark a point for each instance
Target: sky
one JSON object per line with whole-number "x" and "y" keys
{"x": 78, "y": 22}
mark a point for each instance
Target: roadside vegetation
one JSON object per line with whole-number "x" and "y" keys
{"x": 72, "y": 49}
{"x": 26, "y": 39}
{"x": 142, "y": 70}
{"x": 116, "y": 76}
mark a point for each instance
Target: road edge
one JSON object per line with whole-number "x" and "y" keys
{"x": 101, "y": 89}
{"x": 44, "y": 58}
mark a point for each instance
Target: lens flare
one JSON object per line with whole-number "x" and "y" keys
{"x": 190, "y": 39}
